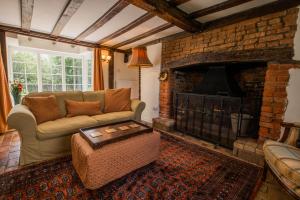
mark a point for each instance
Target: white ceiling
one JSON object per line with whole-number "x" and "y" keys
{"x": 86, "y": 15}
{"x": 47, "y": 12}
{"x": 236, "y": 9}
{"x": 122, "y": 19}
{"x": 10, "y": 12}
{"x": 142, "y": 28}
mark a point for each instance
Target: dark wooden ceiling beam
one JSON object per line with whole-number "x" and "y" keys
{"x": 252, "y": 13}
{"x": 144, "y": 35}
{"x": 26, "y": 13}
{"x": 127, "y": 28}
{"x": 56, "y": 38}
{"x": 114, "y": 10}
{"x": 178, "y": 2}
{"x": 216, "y": 8}
{"x": 166, "y": 11}
{"x": 69, "y": 10}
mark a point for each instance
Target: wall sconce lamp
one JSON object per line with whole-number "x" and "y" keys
{"x": 105, "y": 58}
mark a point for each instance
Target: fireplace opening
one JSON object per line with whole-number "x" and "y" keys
{"x": 219, "y": 102}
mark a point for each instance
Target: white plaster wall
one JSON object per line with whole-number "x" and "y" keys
{"x": 125, "y": 77}
{"x": 150, "y": 83}
{"x": 292, "y": 113}
{"x": 297, "y": 39}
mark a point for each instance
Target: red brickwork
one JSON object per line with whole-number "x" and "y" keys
{"x": 273, "y": 31}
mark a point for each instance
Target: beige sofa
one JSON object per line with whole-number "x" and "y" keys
{"x": 52, "y": 139}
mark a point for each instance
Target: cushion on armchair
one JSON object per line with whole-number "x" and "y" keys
{"x": 284, "y": 160}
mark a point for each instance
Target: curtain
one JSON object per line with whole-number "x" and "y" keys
{"x": 98, "y": 71}
{"x": 5, "y": 102}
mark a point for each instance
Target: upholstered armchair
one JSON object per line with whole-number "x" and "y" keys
{"x": 282, "y": 158}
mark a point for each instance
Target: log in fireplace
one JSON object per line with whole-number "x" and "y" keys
{"x": 222, "y": 104}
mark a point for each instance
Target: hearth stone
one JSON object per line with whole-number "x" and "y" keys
{"x": 164, "y": 124}
{"x": 250, "y": 150}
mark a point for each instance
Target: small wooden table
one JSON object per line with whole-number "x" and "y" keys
{"x": 113, "y": 132}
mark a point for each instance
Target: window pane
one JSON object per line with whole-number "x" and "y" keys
{"x": 31, "y": 79}
{"x": 78, "y": 87}
{"x": 57, "y": 79}
{"x": 69, "y": 79}
{"x": 57, "y": 87}
{"x": 32, "y": 88}
{"x": 77, "y": 62}
{"x": 47, "y": 79}
{"x": 56, "y": 60}
{"x": 70, "y": 87}
{"x": 20, "y": 77}
{"x": 47, "y": 87}
{"x": 69, "y": 71}
{"x": 77, "y": 71}
{"x": 68, "y": 61}
{"x": 31, "y": 68}
{"x": 56, "y": 70}
{"x": 19, "y": 67}
{"x": 78, "y": 79}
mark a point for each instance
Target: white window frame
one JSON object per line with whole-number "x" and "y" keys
{"x": 83, "y": 57}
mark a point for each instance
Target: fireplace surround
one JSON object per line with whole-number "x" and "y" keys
{"x": 268, "y": 39}
{"x": 218, "y": 102}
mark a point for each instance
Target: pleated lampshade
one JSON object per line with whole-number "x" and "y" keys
{"x": 139, "y": 58}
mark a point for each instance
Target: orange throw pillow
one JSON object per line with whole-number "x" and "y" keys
{"x": 43, "y": 108}
{"x": 117, "y": 100}
{"x": 75, "y": 108}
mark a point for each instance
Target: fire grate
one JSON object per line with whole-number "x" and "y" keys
{"x": 214, "y": 118}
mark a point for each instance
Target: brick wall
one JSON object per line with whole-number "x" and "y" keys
{"x": 264, "y": 35}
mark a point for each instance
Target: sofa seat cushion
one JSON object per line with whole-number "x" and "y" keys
{"x": 64, "y": 126}
{"x": 284, "y": 160}
{"x": 113, "y": 117}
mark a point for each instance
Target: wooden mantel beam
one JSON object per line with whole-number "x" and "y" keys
{"x": 26, "y": 13}
{"x": 114, "y": 10}
{"x": 216, "y": 8}
{"x": 171, "y": 14}
{"x": 70, "y": 9}
{"x": 144, "y": 35}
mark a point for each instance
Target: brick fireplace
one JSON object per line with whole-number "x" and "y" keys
{"x": 264, "y": 43}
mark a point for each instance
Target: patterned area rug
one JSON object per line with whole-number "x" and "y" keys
{"x": 183, "y": 171}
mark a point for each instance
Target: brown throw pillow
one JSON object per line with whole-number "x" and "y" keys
{"x": 117, "y": 100}
{"x": 75, "y": 108}
{"x": 43, "y": 108}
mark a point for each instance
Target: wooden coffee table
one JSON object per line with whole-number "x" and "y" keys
{"x": 98, "y": 136}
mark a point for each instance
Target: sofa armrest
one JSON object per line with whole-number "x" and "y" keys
{"x": 22, "y": 119}
{"x": 137, "y": 107}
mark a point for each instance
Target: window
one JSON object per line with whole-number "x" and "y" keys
{"x": 24, "y": 69}
{"x": 41, "y": 70}
{"x": 52, "y": 77}
{"x": 73, "y": 68}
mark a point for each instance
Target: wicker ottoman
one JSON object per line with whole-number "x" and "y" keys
{"x": 110, "y": 162}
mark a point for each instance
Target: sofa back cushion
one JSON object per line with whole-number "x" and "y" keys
{"x": 95, "y": 96}
{"x": 76, "y": 108}
{"x": 60, "y": 98}
{"x": 117, "y": 100}
{"x": 43, "y": 108}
